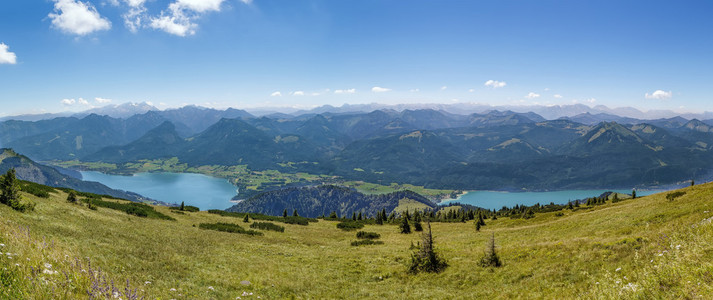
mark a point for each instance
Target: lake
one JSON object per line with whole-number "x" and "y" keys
{"x": 496, "y": 200}
{"x": 198, "y": 190}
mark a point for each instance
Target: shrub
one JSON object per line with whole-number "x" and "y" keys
{"x": 132, "y": 208}
{"x": 366, "y": 242}
{"x": 287, "y": 220}
{"x": 674, "y": 195}
{"x": 187, "y": 208}
{"x": 350, "y": 225}
{"x": 267, "y": 226}
{"x": 404, "y": 226}
{"x": 36, "y": 189}
{"x": 367, "y": 235}
{"x": 72, "y": 197}
{"x": 228, "y": 227}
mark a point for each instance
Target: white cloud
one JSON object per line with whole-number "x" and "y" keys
{"x": 276, "y": 94}
{"x": 82, "y": 101}
{"x": 348, "y": 91}
{"x": 415, "y": 90}
{"x": 298, "y": 93}
{"x": 558, "y": 96}
{"x": 7, "y": 57}
{"x": 101, "y": 100}
{"x": 532, "y": 95}
{"x": 68, "y": 102}
{"x": 443, "y": 88}
{"x": 659, "y": 95}
{"x": 77, "y": 17}
{"x": 180, "y": 17}
{"x": 471, "y": 90}
{"x": 378, "y": 89}
{"x": 246, "y": 1}
{"x": 591, "y": 100}
{"x": 495, "y": 84}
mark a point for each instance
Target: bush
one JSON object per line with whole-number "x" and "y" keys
{"x": 367, "y": 235}
{"x": 490, "y": 258}
{"x": 228, "y": 227}
{"x": 350, "y": 225}
{"x": 366, "y": 242}
{"x": 287, "y": 220}
{"x": 132, "y": 208}
{"x": 187, "y": 208}
{"x": 36, "y": 189}
{"x": 267, "y": 226}
{"x": 674, "y": 195}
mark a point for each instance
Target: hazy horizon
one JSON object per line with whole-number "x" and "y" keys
{"x": 69, "y": 55}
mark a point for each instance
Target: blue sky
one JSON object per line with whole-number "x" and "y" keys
{"x": 58, "y": 55}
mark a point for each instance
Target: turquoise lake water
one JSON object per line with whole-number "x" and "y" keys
{"x": 208, "y": 192}
{"x": 496, "y": 200}
{"x": 198, "y": 190}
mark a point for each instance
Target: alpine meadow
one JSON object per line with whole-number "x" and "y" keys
{"x": 315, "y": 149}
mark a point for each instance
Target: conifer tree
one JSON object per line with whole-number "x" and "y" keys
{"x": 10, "y": 190}
{"x": 359, "y": 217}
{"x": 426, "y": 259}
{"x": 294, "y": 213}
{"x": 633, "y": 194}
{"x": 404, "y": 227}
{"x": 354, "y": 216}
{"x": 491, "y": 258}
{"x": 417, "y": 221}
{"x": 332, "y": 215}
{"x": 284, "y": 213}
{"x": 183, "y": 206}
{"x": 477, "y": 226}
{"x": 72, "y": 197}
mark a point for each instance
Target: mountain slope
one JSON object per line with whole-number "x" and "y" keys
{"x": 28, "y": 170}
{"x": 160, "y": 142}
{"x": 314, "y": 202}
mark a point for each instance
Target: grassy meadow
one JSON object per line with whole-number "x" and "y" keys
{"x": 644, "y": 248}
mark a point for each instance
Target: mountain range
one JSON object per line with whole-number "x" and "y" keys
{"x": 503, "y": 150}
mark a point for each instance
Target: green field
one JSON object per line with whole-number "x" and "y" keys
{"x": 645, "y": 248}
{"x": 251, "y": 181}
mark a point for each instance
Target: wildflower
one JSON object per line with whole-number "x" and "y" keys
{"x": 660, "y": 254}
{"x": 2, "y": 245}
{"x": 147, "y": 282}
{"x": 678, "y": 247}
{"x": 50, "y": 272}
{"x": 618, "y": 282}
{"x": 631, "y": 287}
{"x": 211, "y": 288}
{"x": 618, "y": 269}
{"x": 17, "y": 265}
{"x": 116, "y": 295}
{"x": 48, "y": 266}
{"x": 597, "y": 282}
{"x": 172, "y": 290}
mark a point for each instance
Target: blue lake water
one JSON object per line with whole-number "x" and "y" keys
{"x": 198, "y": 190}
{"x": 496, "y": 200}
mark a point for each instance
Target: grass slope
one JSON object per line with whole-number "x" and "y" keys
{"x": 643, "y": 248}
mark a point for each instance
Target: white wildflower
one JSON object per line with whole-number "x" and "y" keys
{"x": 618, "y": 282}
{"x": 147, "y": 282}
{"x": 116, "y": 295}
{"x": 618, "y": 269}
{"x": 48, "y": 266}
{"x": 660, "y": 254}
{"x": 172, "y": 290}
{"x": 211, "y": 288}
{"x": 678, "y": 247}
{"x": 631, "y": 287}
{"x": 50, "y": 272}
{"x": 2, "y": 245}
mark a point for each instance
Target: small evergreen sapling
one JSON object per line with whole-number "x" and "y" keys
{"x": 247, "y": 218}
{"x": 404, "y": 227}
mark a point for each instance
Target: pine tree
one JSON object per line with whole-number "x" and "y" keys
{"x": 693, "y": 182}
{"x": 425, "y": 259}
{"x": 491, "y": 259}
{"x": 247, "y": 218}
{"x": 404, "y": 227}
{"x": 359, "y": 217}
{"x": 417, "y": 222}
{"x": 284, "y": 213}
{"x": 72, "y": 197}
{"x": 10, "y": 190}
{"x": 633, "y": 194}
{"x": 332, "y": 215}
{"x": 477, "y": 226}
{"x": 183, "y": 206}
{"x": 294, "y": 213}
{"x": 353, "y": 216}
